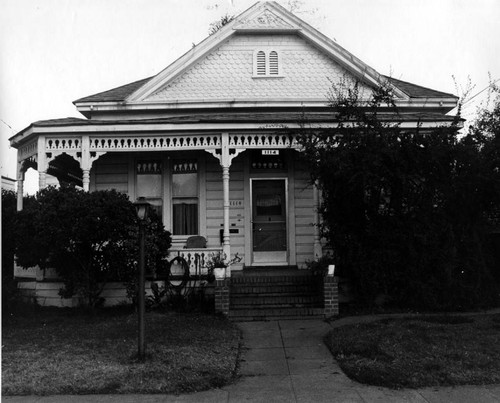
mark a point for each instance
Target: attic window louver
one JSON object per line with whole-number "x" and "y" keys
{"x": 266, "y": 63}
{"x": 273, "y": 63}
{"x": 261, "y": 63}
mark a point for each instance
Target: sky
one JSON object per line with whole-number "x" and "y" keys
{"x": 53, "y": 52}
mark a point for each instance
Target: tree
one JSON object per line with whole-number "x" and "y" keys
{"x": 89, "y": 238}
{"x": 404, "y": 211}
{"x": 9, "y": 286}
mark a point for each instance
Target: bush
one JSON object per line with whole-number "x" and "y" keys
{"x": 407, "y": 213}
{"x": 89, "y": 238}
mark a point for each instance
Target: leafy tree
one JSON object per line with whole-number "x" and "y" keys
{"x": 405, "y": 211}
{"x": 9, "y": 203}
{"x": 89, "y": 238}
{"x": 9, "y": 286}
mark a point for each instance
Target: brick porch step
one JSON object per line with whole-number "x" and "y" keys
{"x": 276, "y": 299}
{"x": 274, "y": 293}
{"x": 275, "y": 313}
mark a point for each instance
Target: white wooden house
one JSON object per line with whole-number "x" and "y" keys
{"x": 206, "y": 140}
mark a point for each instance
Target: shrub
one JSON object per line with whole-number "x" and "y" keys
{"x": 89, "y": 238}
{"x": 407, "y": 212}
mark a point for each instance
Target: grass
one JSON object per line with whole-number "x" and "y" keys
{"x": 418, "y": 352}
{"x": 68, "y": 352}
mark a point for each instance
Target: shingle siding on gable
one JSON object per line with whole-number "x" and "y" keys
{"x": 227, "y": 73}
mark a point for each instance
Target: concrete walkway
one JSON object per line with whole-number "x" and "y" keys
{"x": 286, "y": 361}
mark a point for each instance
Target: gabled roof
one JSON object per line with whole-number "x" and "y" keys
{"x": 417, "y": 91}
{"x": 118, "y": 94}
{"x": 263, "y": 17}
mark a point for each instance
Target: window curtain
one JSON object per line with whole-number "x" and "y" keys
{"x": 185, "y": 219}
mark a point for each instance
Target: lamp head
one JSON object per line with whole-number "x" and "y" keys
{"x": 141, "y": 208}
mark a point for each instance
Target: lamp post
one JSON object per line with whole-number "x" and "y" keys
{"x": 141, "y": 207}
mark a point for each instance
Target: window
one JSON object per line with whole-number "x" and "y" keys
{"x": 149, "y": 183}
{"x": 266, "y": 63}
{"x": 185, "y": 198}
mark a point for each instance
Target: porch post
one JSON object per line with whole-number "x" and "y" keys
{"x": 225, "y": 158}
{"x": 225, "y": 162}
{"x": 226, "y": 245}
{"x": 42, "y": 163}
{"x": 20, "y": 186}
{"x": 86, "y": 163}
{"x": 318, "y": 250}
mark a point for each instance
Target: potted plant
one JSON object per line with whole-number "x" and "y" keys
{"x": 218, "y": 263}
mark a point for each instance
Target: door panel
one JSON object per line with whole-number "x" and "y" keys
{"x": 269, "y": 221}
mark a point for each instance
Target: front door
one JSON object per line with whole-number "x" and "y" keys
{"x": 269, "y": 241}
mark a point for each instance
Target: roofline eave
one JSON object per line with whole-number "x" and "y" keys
{"x": 23, "y": 136}
{"x": 446, "y": 103}
{"x": 133, "y": 128}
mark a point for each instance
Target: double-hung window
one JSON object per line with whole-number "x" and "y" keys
{"x": 149, "y": 183}
{"x": 185, "y": 196}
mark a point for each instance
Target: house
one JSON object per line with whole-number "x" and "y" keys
{"x": 8, "y": 183}
{"x": 206, "y": 141}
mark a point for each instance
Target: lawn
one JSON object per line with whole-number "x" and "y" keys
{"x": 70, "y": 352}
{"x": 420, "y": 351}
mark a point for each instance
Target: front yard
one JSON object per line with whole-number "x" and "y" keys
{"x": 420, "y": 351}
{"x": 69, "y": 352}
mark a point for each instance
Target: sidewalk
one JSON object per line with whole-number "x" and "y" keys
{"x": 287, "y": 361}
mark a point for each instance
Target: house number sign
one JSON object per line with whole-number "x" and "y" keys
{"x": 270, "y": 152}
{"x": 236, "y": 203}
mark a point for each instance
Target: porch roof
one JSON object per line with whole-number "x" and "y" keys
{"x": 214, "y": 121}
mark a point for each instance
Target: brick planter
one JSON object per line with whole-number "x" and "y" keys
{"x": 222, "y": 296}
{"x": 331, "y": 296}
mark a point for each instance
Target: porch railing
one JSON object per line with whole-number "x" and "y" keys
{"x": 195, "y": 258}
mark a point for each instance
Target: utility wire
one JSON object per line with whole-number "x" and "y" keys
{"x": 9, "y": 126}
{"x": 480, "y": 92}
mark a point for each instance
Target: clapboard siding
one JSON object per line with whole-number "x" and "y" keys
{"x": 304, "y": 215}
{"x": 111, "y": 172}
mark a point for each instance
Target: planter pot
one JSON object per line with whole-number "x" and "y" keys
{"x": 220, "y": 273}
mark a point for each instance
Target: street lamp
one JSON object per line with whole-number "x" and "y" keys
{"x": 141, "y": 208}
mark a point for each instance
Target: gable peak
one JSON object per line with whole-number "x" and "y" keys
{"x": 265, "y": 16}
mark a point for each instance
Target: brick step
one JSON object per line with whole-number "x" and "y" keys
{"x": 275, "y": 280}
{"x": 267, "y": 300}
{"x": 274, "y": 313}
{"x": 275, "y": 306}
{"x": 271, "y": 294}
{"x": 275, "y": 289}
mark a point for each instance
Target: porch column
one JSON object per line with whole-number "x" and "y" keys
{"x": 86, "y": 163}
{"x": 86, "y": 180}
{"x": 20, "y": 187}
{"x": 42, "y": 163}
{"x": 226, "y": 244}
{"x": 318, "y": 250}
{"x": 225, "y": 158}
